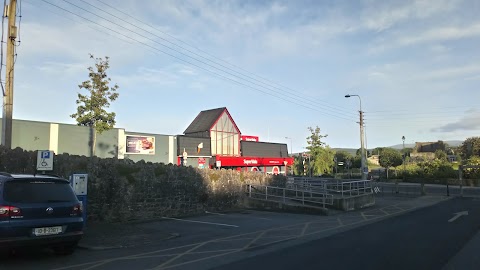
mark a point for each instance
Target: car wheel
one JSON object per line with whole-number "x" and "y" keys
{"x": 66, "y": 249}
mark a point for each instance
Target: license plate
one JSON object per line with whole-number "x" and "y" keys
{"x": 47, "y": 230}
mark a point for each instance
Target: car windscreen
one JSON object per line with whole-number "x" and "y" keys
{"x": 37, "y": 191}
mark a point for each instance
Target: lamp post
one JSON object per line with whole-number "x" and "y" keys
{"x": 291, "y": 145}
{"x": 404, "y": 155}
{"x": 291, "y": 154}
{"x": 364, "y": 169}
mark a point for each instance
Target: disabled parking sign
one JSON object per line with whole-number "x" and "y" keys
{"x": 45, "y": 160}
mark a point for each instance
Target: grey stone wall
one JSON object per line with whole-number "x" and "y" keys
{"x": 121, "y": 190}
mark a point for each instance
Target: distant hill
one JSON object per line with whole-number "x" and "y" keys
{"x": 453, "y": 143}
{"x": 353, "y": 151}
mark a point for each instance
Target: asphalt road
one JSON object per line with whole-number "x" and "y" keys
{"x": 422, "y": 239}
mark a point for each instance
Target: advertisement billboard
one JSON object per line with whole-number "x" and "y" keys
{"x": 143, "y": 145}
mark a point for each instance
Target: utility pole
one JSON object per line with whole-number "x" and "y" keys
{"x": 10, "y": 11}
{"x": 364, "y": 168}
{"x": 362, "y": 145}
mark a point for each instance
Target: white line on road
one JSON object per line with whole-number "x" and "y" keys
{"x": 220, "y": 214}
{"x": 457, "y": 215}
{"x": 203, "y": 222}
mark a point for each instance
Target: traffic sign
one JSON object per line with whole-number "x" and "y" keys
{"x": 45, "y": 160}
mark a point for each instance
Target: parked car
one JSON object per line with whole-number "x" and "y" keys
{"x": 39, "y": 211}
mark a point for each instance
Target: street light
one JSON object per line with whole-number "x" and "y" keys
{"x": 291, "y": 145}
{"x": 364, "y": 169}
{"x": 404, "y": 155}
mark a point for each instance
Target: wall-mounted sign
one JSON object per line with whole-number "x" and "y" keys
{"x": 249, "y": 138}
{"x": 143, "y": 145}
{"x": 253, "y": 161}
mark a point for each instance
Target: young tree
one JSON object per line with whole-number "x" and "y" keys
{"x": 441, "y": 155}
{"x": 343, "y": 156}
{"x": 470, "y": 147}
{"x": 390, "y": 158}
{"x": 359, "y": 152}
{"x": 377, "y": 150}
{"x": 91, "y": 107}
{"x": 321, "y": 154}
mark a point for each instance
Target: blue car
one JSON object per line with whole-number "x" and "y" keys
{"x": 39, "y": 211}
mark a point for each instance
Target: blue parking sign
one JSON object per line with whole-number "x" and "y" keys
{"x": 45, "y": 160}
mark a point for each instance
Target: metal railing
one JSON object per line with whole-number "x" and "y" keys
{"x": 285, "y": 195}
{"x": 332, "y": 186}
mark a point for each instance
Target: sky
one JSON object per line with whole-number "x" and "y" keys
{"x": 278, "y": 66}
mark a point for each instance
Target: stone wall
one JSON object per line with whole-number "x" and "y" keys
{"x": 121, "y": 190}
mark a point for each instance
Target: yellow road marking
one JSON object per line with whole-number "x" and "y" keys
{"x": 179, "y": 255}
{"x": 305, "y": 228}
{"x": 340, "y": 222}
{"x": 101, "y": 262}
{"x": 385, "y": 212}
{"x": 169, "y": 255}
{"x": 254, "y": 239}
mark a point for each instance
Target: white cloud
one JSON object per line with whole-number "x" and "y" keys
{"x": 183, "y": 69}
{"x": 441, "y": 34}
{"x": 148, "y": 77}
{"x": 440, "y": 49}
{"x": 469, "y": 122}
{"x": 382, "y": 15}
{"x": 54, "y": 68}
{"x": 452, "y": 72}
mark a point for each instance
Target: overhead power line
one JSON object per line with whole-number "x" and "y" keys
{"x": 203, "y": 60}
{"x": 98, "y": 29}
{"x": 262, "y": 79}
{"x": 191, "y": 63}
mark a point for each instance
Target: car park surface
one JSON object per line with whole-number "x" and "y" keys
{"x": 213, "y": 239}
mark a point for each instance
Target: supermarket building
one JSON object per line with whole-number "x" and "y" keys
{"x": 212, "y": 140}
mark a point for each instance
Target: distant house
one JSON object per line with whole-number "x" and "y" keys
{"x": 429, "y": 147}
{"x": 426, "y": 150}
{"x": 374, "y": 159}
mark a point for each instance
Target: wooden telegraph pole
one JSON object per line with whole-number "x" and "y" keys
{"x": 10, "y": 12}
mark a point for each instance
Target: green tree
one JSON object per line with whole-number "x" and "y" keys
{"x": 390, "y": 157}
{"x": 440, "y": 155}
{"x": 343, "y": 156}
{"x": 472, "y": 173}
{"x": 406, "y": 151}
{"x": 359, "y": 151}
{"x": 470, "y": 147}
{"x": 321, "y": 160}
{"x": 298, "y": 168}
{"x": 377, "y": 150}
{"x": 91, "y": 110}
